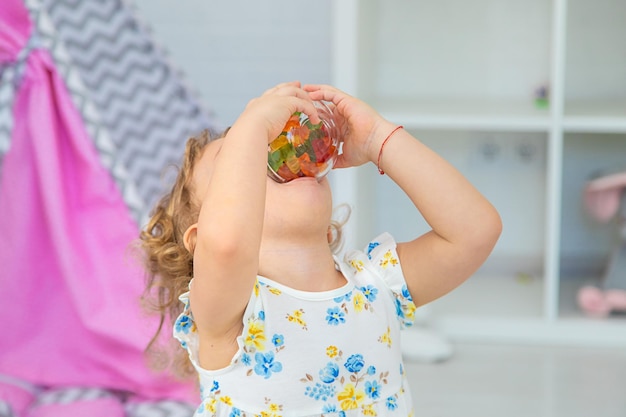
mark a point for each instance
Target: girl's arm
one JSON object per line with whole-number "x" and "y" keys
{"x": 228, "y": 234}
{"x": 465, "y": 226}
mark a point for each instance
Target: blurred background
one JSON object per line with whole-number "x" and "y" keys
{"x": 527, "y": 99}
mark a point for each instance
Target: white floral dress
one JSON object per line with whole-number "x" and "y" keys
{"x": 331, "y": 353}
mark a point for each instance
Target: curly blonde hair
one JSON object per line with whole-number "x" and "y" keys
{"x": 169, "y": 265}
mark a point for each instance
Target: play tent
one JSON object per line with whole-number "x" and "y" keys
{"x": 91, "y": 111}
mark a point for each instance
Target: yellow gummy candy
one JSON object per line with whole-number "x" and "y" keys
{"x": 293, "y": 164}
{"x": 278, "y": 143}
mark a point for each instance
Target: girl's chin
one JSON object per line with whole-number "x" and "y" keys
{"x": 304, "y": 180}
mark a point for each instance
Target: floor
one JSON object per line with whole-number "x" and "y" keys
{"x": 521, "y": 381}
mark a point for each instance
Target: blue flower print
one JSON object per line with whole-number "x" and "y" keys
{"x": 215, "y": 387}
{"x": 183, "y": 324}
{"x": 399, "y": 311}
{"x": 261, "y": 315}
{"x": 371, "y": 370}
{"x": 406, "y": 294}
{"x": 330, "y": 408}
{"x": 369, "y": 292}
{"x": 265, "y": 364}
{"x": 278, "y": 340}
{"x": 329, "y": 373}
{"x": 235, "y": 412}
{"x": 391, "y": 403}
{"x": 320, "y": 392}
{"x": 355, "y": 363}
{"x": 246, "y": 359}
{"x": 370, "y": 248}
{"x": 335, "y": 316}
{"x": 343, "y": 298}
{"x": 372, "y": 389}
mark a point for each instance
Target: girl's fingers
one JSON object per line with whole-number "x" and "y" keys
{"x": 323, "y": 92}
{"x": 282, "y": 86}
{"x": 340, "y": 162}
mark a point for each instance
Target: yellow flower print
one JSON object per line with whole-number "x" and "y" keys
{"x": 275, "y": 407}
{"x": 410, "y": 311}
{"x": 357, "y": 264}
{"x": 272, "y": 409}
{"x": 256, "y": 288}
{"x": 368, "y": 410}
{"x": 296, "y": 317}
{"x": 350, "y": 398}
{"x": 386, "y": 338}
{"x": 256, "y": 335}
{"x": 332, "y": 351}
{"x": 275, "y": 291}
{"x": 358, "y": 301}
{"x": 226, "y": 400}
{"x": 210, "y": 405}
{"x": 388, "y": 259}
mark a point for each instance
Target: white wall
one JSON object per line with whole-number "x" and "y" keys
{"x": 232, "y": 51}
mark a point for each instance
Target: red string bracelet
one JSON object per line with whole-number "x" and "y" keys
{"x": 380, "y": 153}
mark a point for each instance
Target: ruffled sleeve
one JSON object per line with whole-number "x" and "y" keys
{"x": 185, "y": 329}
{"x": 382, "y": 255}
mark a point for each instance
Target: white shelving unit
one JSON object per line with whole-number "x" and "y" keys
{"x": 462, "y": 76}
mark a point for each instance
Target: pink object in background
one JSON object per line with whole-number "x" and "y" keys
{"x": 602, "y": 199}
{"x": 602, "y": 196}
{"x": 69, "y": 290}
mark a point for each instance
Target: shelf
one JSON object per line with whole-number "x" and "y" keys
{"x": 594, "y": 77}
{"x": 478, "y": 114}
{"x": 458, "y": 53}
{"x": 515, "y": 295}
{"x": 608, "y": 116}
{"x": 586, "y": 242}
{"x": 566, "y": 332}
{"x": 462, "y": 76}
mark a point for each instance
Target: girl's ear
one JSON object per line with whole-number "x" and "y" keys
{"x": 189, "y": 238}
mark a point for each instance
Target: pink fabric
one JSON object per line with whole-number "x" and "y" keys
{"x": 69, "y": 291}
{"x": 602, "y": 196}
{"x": 15, "y": 31}
{"x": 18, "y": 397}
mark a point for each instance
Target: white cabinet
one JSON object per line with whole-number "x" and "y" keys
{"x": 464, "y": 77}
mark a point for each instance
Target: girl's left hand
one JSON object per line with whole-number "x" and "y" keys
{"x": 361, "y": 127}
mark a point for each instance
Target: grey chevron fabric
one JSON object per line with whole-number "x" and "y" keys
{"x": 132, "y": 407}
{"x": 134, "y": 103}
{"x": 10, "y": 75}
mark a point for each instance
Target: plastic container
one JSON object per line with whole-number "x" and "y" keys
{"x": 304, "y": 149}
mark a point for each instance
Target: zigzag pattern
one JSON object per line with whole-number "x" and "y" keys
{"x": 45, "y": 36}
{"x": 6, "y": 106}
{"x": 159, "y": 409}
{"x": 5, "y": 409}
{"x": 10, "y": 76}
{"x": 134, "y": 103}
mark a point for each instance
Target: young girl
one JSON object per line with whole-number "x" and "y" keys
{"x": 272, "y": 322}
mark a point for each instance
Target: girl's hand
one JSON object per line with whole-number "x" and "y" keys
{"x": 361, "y": 128}
{"x": 275, "y": 106}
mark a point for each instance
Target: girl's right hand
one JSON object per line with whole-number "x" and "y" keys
{"x": 276, "y": 105}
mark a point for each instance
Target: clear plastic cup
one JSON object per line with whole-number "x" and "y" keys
{"x": 304, "y": 149}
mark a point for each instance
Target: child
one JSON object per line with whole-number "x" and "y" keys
{"x": 272, "y": 322}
